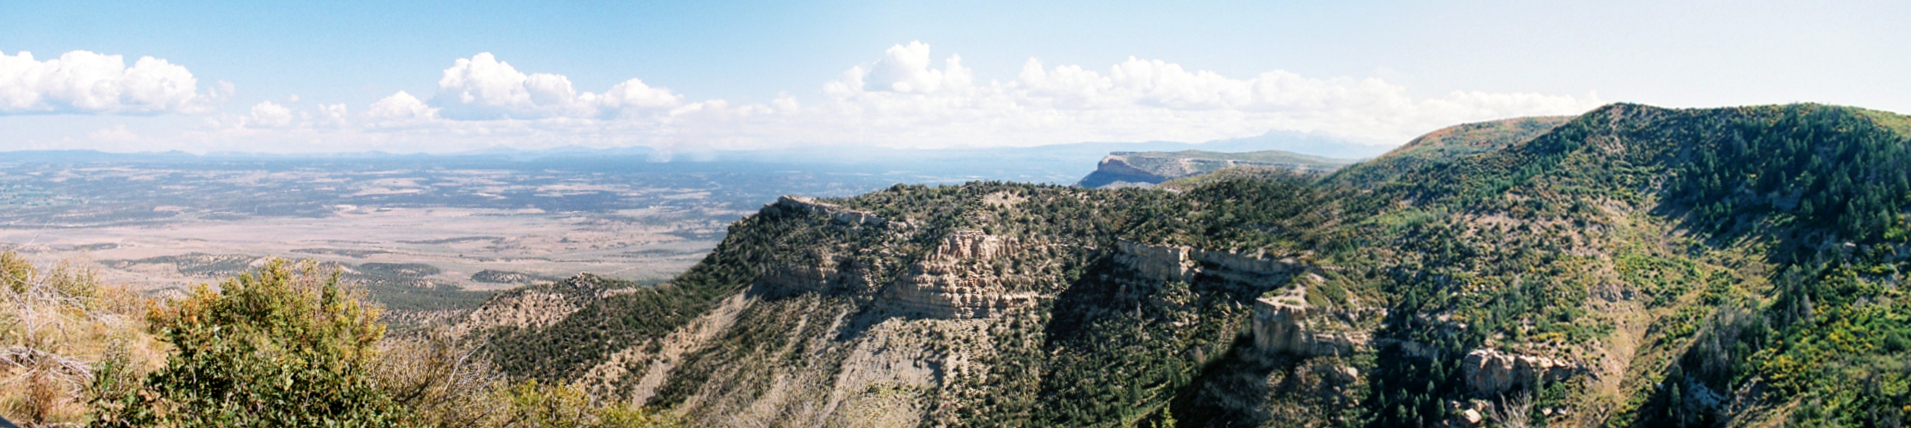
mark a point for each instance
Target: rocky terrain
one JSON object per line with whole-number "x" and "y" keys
{"x": 1633, "y": 266}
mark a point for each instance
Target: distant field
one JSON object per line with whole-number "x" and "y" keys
{"x": 423, "y": 234}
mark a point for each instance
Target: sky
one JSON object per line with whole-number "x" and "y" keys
{"x": 348, "y": 76}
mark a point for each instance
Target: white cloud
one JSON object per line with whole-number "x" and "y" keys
{"x": 902, "y": 99}
{"x": 268, "y": 115}
{"x": 905, "y": 102}
{"x": 634, "y": 95}
{"x": 82, "y": 82}
{"x": 333, "y": 115}
{"x": 483, "y": 88}
{"x": 906, "y": 68}
{"x": 400, "y": 106}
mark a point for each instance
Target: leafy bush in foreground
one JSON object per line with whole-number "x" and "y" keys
{"x": 279, "y": 347}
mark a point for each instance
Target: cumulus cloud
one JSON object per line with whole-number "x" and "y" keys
{"x": 269, "y": 115}
{"x": 634, "y": 95}
{"x": 904, "y": 98}
{"x": 333, "y": 115}
{"x": 400, "y": 106}
{"x": 484, "y": 88}
{"x": 82, "y": 82}
{"x": 907, "y": 68}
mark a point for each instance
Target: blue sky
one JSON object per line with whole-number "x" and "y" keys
{"x": 729, "y": 75}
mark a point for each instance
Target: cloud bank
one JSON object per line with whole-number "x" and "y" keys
{"x": 904, "y": 98}
{"x": 84, "y": 82}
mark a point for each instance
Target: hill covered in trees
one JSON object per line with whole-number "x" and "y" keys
{"x": 1632, "y": 266}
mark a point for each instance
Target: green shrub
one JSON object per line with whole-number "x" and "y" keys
{"x": 284, "y": 346}
{"x": 534, "y": 404}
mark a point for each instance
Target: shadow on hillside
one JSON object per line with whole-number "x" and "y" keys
{"x": 1800, "y": 241}
{"x": 1235, "y": 389}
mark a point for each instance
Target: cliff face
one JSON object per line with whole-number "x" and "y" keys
{"x": 1286, "y": 325}
{"x": 1489, "y": 372}
{"x": 1283, "y": 322}
{"x": 1182, "y": 263}
{"x": 1160, "y": 263}
{"x": 959, "y": 280}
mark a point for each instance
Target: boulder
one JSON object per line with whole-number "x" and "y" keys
{"x": 1472, "y": 417}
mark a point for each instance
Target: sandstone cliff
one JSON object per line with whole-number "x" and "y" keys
{"x": 1284, "y": 323}
{"x": 1287, "y": 325}
{"x": 1488, "y": 371}
{"x": 959, "y": 281}
{"x": 1182, "y": 263}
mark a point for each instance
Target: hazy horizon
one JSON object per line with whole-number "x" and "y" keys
{"x": 450, "y": 77}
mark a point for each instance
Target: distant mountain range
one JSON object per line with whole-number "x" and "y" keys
{"x": 1058, "y": 164}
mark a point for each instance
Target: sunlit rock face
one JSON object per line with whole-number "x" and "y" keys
{"x": 959, "y": 280}
{"x": 1489, "y": 371}
{"x": 1182, "y": 263}
{"x": 1286, "y": 325}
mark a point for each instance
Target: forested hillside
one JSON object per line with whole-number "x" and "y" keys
{"x": 1632, "y": 266}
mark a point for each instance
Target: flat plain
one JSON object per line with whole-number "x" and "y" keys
{"x": 421, "y": 232}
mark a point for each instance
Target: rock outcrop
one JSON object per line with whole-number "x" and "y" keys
{"x": 1158, "y": 262}
{"x": 1181, "y": 263}
{"x": 1245, "y": 267}
{"x": 1489, "y": 371}
{"x": 835, "y": 213}
{"x": 1282, "y": 323}
{"x": 817, "y": 276}
{"x": 951, "y": 284}
{"x": 1282, "y": 326}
